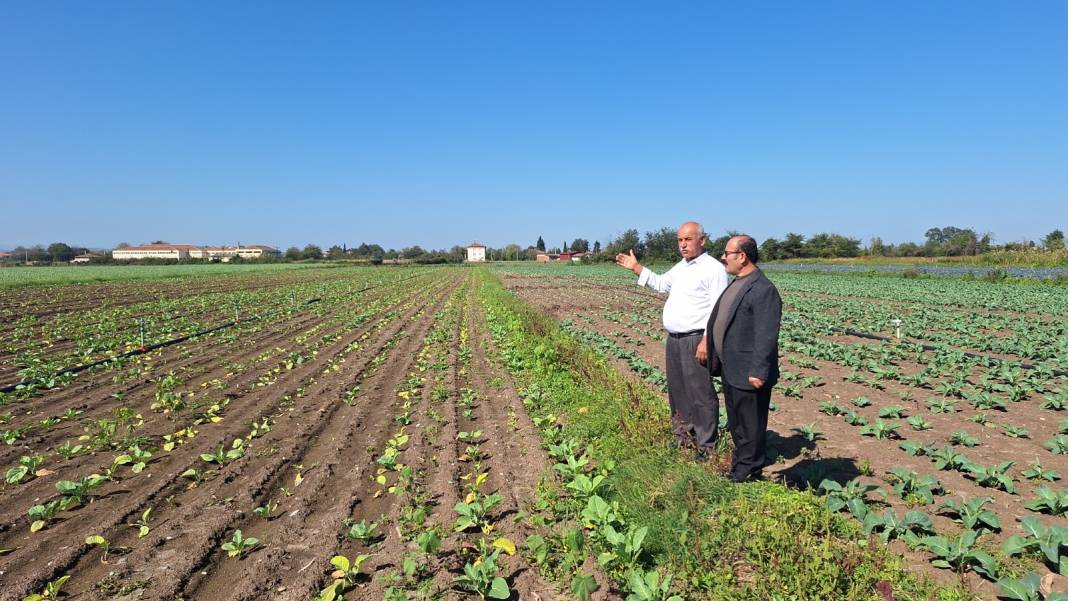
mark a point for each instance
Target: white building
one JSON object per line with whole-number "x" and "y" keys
{"x": 476, "y": 253}
{"x": 182, "y": 252}
{"x": 153, "y": 251}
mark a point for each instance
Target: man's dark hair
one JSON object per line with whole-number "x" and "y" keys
{"x": 747, "y": 245}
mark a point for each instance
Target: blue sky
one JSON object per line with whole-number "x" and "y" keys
{"x": 441, "y": 123}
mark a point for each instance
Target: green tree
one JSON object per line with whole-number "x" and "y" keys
{"x": 293, "y": 254}
{"x": 1054, "y": 240}
{"x": 60, "y": 252}
{"x": 512, "y": 252}
{"x": 335, "y": 252}
{"x": 596, "y": 247}
{"x": 580, "y": 245}
{"x": 626, "y": 242}
{"x": 412, "y": 252}
{"x": 716, "y": 247}
{"x": 791, "y": 246}
{"x": 540, "y": 245}
{"x": 311, "y": 251}
{"x": 769, "y": 250}
{"x": 662, "y": 245}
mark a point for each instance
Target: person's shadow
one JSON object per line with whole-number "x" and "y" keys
{"x": 808, "y": 473}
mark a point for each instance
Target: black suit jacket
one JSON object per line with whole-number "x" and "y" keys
{"x": 751, "y": 339}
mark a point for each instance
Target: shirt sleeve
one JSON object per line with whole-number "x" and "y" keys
{"x": 660, "y": 283}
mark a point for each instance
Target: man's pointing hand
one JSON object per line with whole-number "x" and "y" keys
{"x": 630, "y": 262}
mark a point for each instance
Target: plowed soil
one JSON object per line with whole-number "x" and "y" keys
{"x": 312, "y": 433}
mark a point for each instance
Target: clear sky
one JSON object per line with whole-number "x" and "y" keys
{"x": 440, "y": 123}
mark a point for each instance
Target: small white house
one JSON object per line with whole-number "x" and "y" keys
{"x": 476, "y": 253}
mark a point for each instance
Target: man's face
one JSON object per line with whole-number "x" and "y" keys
{"x": 733, "y": 259}
{"x": 690, "y": 244}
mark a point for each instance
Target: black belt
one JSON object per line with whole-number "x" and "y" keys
{"x": 685, "y": 334}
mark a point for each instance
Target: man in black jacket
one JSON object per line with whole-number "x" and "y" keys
{"x": 743, "y": 348}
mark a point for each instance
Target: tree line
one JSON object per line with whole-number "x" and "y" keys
{"x": 655, "y": 245}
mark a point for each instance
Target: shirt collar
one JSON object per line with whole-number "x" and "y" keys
{"x": 699, "y": 257}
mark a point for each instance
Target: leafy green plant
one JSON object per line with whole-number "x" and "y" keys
{"x": 480, "y": 578}
{"x": 861, "y": 401}
{"x": 1047, "y": 539}
{"x": 994, "y": 476}
{"x": 1036, "y": 472}
{"x": 890, "y": 526}
{"x": 473, "y": 514}
{"x": 960, "y": 437}
{"x": 1049, "y": 501}
{"x": 142, "y": 524}
{"x": 831, "y": 408}
{"x": 1058, "y": 445}
{"x": 136, "y": 458}
{"x": 264, "y": 511}
{"x": 238, "y": 545}
{"x": 345, "y": 575}
{"x": 916, "y": 449}
{"x": 809, "y": 432}
{"x": 907, "y": 483}
{"x": 949, "y": 459}
{"x": 221, "y": 456}
{"x": 51, "y": 591}
{"x": 892, "y": 411}
{"x": 919, "y": 424}
{"x": 1016, "y": 431}
{"x": 960, "y": 554}
{"x": 1028, "y": 588}
{"x": 881, "y": 430}
{"x": 42, "y": 514}
{"x": 361, "y": 531}
{"x": 937, "y": 405}
{"x": 647, "y": 586}
{"x": 625, "y": 547}
{"x": 972, "y": 514}
{"x": 855, "y": 419}
{"x": 28, "y": 465}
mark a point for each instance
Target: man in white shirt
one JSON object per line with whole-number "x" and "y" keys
{"x": 693, "y": 286}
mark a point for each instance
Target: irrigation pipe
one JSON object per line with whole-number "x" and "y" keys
{"x": 149, "y": 348}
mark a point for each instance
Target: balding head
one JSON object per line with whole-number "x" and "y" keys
{"x": 691, "y": 238}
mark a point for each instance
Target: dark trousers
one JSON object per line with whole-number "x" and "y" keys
{"x": 747, "y": 421}
{"x": 693, "y": 401}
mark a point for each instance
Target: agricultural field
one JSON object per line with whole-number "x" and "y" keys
{"x": 948, "y": 443}
{"x": 466, "y": 433}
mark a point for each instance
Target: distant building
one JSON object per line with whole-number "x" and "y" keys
{"x": 226, "y": 253}
{"x": 476, "y": 253}
{"x": 177, "y": 252}
{"x": 84, "y": 258}
{"x": 7, "y": 256}
{"x": 181, "y": 252}
{"x": 543, "y": 257}
{"x": 570, "y": 256}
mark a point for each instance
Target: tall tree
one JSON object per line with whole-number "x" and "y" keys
{"x": 335, "y": 252}
{"x": 60, "y": 252}
{"x": 540, "y": 245}
{"x": 791, "y": 246}
{"x": 626, "y": 242}
{"x": 1054, "y": 240}
{"x": 580, "y": 245}
{"x": 293, "y": 254}
{"x": 596, "y": 247}
{"x": 311, "y": 251}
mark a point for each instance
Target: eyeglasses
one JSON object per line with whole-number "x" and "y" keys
{"x": 731, "y": 252}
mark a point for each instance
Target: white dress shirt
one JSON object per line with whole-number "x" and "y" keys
{"x": 693, "y": 288}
